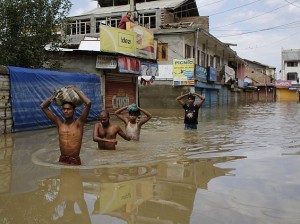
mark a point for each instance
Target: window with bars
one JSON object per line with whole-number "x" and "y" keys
{"x": 162, "y": 51}
{"x": 292, "y": 76}
{"x": 108, "y": 21}
{"x": 147, "y": 20}
{"x": 218, "y": 61}
{"x": 211, "y": 61}
{"x": 80, "y": 27}
{"x": 203, "y": 61}
{"x": 292, "y": 64}
{"x": 100, "y": 21}
{"x": 188, "y": 51}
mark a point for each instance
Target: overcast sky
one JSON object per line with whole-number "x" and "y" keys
{"x": 260, "y": 28}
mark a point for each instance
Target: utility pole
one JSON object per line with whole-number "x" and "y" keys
{"x": 132, "y": 6}
{"x": 133, "y": 10}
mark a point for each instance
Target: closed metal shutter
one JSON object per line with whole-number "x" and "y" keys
{"x": 120, "y": 91}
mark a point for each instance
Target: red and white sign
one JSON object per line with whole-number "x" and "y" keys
{"x": 129, "y": 65}
{"x": 283, "y": 83}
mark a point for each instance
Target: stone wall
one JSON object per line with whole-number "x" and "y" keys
{"x": 5, "y": 103}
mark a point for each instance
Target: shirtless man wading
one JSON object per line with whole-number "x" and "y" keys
{"x": 70, "y": 131}
{"x": 105, "y": 133}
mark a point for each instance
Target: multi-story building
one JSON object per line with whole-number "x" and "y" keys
{"x": 288, "y": 83}
{"x": 290, "y": 65}
{"x": 180, "y": 33}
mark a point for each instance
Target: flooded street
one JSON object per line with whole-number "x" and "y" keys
{"x": 240, "y": 166}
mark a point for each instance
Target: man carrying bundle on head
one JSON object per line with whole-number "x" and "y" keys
{"x": 132, "y": 125}
{"x": 70, "y": 131}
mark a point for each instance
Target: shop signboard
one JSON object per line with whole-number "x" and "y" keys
{"x": 183, "y": 72}
{"x": 117, "y": 40}
{"x": 106, "y": 62}
{"x": 144, "y": 40}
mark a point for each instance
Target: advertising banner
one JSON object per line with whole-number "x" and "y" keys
{"x": 117, "y": 40}
{"x": 201, "y": 73}
{"x": 229, "y": 73}
{"x": 149, "y": 69}
{"x": 144, "y": 41}
{"x": 129, "y": 65}
{"x": 183, "y": 72}
{"x": 212, "y": 74}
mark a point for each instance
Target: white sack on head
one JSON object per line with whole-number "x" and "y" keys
{"x": 67, "y": 95}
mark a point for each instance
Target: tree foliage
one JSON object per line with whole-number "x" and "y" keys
{"x": 27, "y": 27}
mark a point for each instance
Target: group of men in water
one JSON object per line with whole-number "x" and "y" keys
{"x": 105, "y": 133}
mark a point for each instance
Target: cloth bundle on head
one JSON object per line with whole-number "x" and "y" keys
{"x": 133, "y": 108}
{"x": 67, "y": 95}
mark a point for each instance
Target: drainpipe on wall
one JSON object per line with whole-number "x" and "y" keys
{"x": 298, "y": 90}
{"x": 196, "y": 50}
{"x": 266, "y": 88}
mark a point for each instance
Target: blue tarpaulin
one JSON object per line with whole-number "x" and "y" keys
{"x": 30, "y": 87}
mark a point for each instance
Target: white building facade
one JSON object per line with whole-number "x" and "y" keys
{"x": 290, "y": 65}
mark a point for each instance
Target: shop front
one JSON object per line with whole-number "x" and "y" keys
{"x": 120, "y": 90}
{"x": 285, "y": 91}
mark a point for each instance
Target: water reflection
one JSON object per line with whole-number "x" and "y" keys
{"x": 158, "y": 193}
{"x": 6, "y": 146}
{"x": 63, "y": 198}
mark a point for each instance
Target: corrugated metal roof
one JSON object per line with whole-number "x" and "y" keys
{"x": 163, "y": 4}
{"x": 89, "y": 45}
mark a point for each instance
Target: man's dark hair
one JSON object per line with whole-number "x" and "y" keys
{"x": 191, "y": 96}
{"x": 72, "y": 104}
{"x": 134, "y": 113}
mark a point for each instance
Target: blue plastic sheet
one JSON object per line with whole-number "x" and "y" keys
{"x": 30, "y": 87}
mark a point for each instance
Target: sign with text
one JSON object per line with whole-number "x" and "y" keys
{"x": 283, "y": 83}
{"x": 117, "y": 40}
{"x": 106, "y": 62}
{"x": 183, "y": 72}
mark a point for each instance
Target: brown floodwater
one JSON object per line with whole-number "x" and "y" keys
{"x": 240, "y": 166}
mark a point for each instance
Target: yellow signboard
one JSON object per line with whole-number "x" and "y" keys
{"x": 117, "y": 40}
{"x": 183, "y": 71}
{"x": 145, "y": 40}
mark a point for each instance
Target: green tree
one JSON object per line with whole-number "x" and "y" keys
{"x": 27, "y": 27}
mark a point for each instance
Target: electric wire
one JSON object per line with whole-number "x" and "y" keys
{"x": 254, "y": 17}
